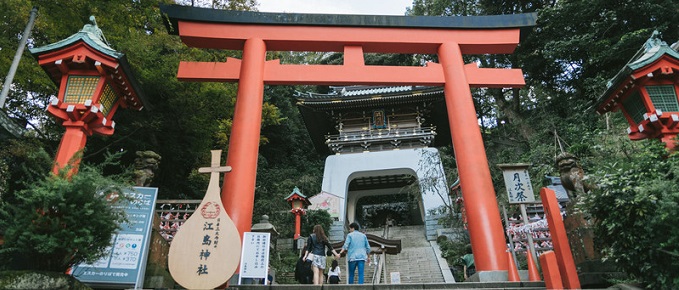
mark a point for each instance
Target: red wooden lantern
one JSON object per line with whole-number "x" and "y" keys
{"x": 94, "y": 81}
{"x": 645, "y": 90}
{"x": 299, "y": 203}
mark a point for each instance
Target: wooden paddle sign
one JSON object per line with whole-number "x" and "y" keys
{"x": 205, "y": 252}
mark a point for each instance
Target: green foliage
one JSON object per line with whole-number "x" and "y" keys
{"x": 580, "y": 41}
{"x": 567, "y": 59}
{"x": 315, "y": 217}
{"x": 286, "y": 161}
{"x": 22, "y": 162}
{"x": 180, "y": 121}
{"x": 636, "y": 212}
{"x": 453, "y": 248}
{"x": 56, "y": 223}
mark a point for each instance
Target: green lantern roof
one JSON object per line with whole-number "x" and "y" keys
{"x": 296, "y": 191}
{"x": 90, "y": 34}
{"x": 653, "y": 49}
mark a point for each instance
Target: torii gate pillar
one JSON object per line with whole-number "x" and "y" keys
{"x": 480, "y": 203}
{"x": 244, "y": 141}
{"x": 354, "y": 35}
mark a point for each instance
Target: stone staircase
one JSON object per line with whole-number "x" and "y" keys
{"x": 417, "y": 263}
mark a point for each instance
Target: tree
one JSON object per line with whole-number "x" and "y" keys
{"x": 180, "y": 121}
{"x": 23, "y": 162}
{"x": 431, "y": 165}
{"x": 56, "y": 223}
{"x": 313, "y": 218}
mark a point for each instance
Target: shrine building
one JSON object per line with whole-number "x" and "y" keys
{"x": 380, "y": 141}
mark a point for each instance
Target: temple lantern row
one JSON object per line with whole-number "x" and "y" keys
{"x": 94, "y": 81}
{"x": 645, "y": 90}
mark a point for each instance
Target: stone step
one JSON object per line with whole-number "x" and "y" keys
{"x": 417, "y": 262}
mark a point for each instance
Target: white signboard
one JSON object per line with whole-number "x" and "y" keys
{"x": 517, "y": 182}
{"x": 254, "y": 261}
{"x": 395, "y": 277}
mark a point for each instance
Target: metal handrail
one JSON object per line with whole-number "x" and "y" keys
{"x": 378, "y": 269}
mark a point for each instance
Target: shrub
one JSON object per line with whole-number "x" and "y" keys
{"x": 635, "y": 210}
{"x": 56, "y": 223}
{"x": 453, "y": 249}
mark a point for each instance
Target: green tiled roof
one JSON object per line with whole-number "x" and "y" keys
{"x": 653, "y": 49}
{"x": 296, "y": 191}
{"x": 90, "y": 34}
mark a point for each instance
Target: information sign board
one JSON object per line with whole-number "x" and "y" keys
{"x": 125, "y": 263}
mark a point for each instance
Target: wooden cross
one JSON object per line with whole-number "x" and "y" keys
{"x": 214, "y": 165}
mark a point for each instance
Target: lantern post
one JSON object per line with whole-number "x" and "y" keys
{"x": 94, "y": 81}
{"x": 299, "y": 202}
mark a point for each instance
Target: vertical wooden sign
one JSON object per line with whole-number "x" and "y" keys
{"x": 517, "y": 182}
{"x": 205, "y": 252}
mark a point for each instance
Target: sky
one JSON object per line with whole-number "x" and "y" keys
{"x": 371, "y": 7}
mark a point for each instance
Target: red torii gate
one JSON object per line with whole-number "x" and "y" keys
{"x": 256, "y": 33}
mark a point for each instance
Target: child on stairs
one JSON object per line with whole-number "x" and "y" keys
{"x": 334, "y": 273}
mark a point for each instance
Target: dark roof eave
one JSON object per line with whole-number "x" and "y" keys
{"x": 614, "y": 86}
{"x": 176, "y": 13}
{"x": 127, "y": 70}
{"x": 628, "y": 70}
{"x": 321, "y": 101}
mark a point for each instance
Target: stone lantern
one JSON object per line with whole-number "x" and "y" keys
{"x": 645, "y": 91}
{"x": 94, "y": 81}
{"x": 264, "y": 226}
{"x": 299, "y": 202}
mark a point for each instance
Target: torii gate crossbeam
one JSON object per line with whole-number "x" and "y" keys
{"x": 450, "y": 37}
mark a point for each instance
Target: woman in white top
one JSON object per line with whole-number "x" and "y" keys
{"x": 334, "y": 273}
